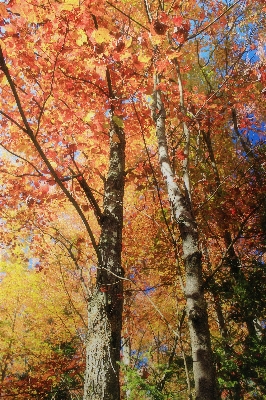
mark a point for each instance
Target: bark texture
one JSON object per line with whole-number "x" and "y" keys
{"x": 105, "y": 308}
{"x": 203, "y": 368}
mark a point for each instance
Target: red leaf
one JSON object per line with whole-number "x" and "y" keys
{"x": 180, "y": 155}
{"x": 178, "y": 21}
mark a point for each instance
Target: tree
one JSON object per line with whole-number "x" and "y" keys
{"x": 41, "y": 353}
{"x": 79, "y": 79}
{"x": 105, "y": 302}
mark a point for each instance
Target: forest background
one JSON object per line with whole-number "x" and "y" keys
{"x": 133, "y": 210}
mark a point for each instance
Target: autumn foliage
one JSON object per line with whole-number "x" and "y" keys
{"x": 80, "y": 81}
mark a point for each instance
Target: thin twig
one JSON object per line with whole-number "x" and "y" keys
{"x": 128, "y": 16}
{"x": 22, "y": 158}
{"x": 213, "y": 22}
{"x": 237, "y": 236}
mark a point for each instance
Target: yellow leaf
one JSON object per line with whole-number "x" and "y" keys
{"x": 125, "y": 55}
{"x": 143, "y": 58}
{"x": 157, "y": 39}
{"x": 4, "y": 81}
{"x": 101, "y": 35}
{"x": 68, "y": 5}
{"x": 53, "y": 164}
{"x": 89, "y": 116}
{"x": 128, "y": 42}
{"x": 174, "y": 55}
{"x": 2, "y": 45}
{"x": 82, "y": 37}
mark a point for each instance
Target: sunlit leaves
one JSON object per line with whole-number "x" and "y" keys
{"x": 69, "y": 4}
{"x": 58, "y": 54}
{"x": 3, "y": 11}
{"x": 101, "y": 35}
{"x": 26, "y": 318}
{"x": 82, "y": 37}
{"x": 89, "y": 116}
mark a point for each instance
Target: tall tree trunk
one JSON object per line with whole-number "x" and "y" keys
{"x": 203, "y": 368}
{"x": 105, "y": 308}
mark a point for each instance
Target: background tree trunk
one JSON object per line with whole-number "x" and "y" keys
{"x": 203, "y": 368}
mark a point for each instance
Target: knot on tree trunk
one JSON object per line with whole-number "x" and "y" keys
{"x": 195, "y": 314}
{"x": 193, "y": 263}
{"x": 194, "y": 259}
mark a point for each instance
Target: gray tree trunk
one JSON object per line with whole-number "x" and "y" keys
{"x": 203, "y": 368}
{"x": 105, "y": 308}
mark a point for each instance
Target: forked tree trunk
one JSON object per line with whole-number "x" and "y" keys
{"x": 105, "y": 308}
{"x": 203, "y": 368}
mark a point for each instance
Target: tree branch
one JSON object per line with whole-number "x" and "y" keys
{"x": 88, "y": 192}
{"x": 22, "y": 158}
{"x": 41, "y": 153}
{"x": 128, "y": 16}
{"x": 84, "y": 80}
{"x": 213, "y": 22}
{"x": 148, "y": 12}
{"x": 207, "y": 280}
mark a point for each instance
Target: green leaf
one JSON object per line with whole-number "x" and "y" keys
{"x": 118, "y": 121}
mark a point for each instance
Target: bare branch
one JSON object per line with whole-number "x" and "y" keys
{"x": 237, "y": 236}
{"x": 128, "y": 16}
{"x": 85, "y": 81}
{"x": 215, "y": 20}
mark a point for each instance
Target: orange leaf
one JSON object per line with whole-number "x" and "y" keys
{"x": 115, "y": 138}
{"x": 3, "y": 11}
